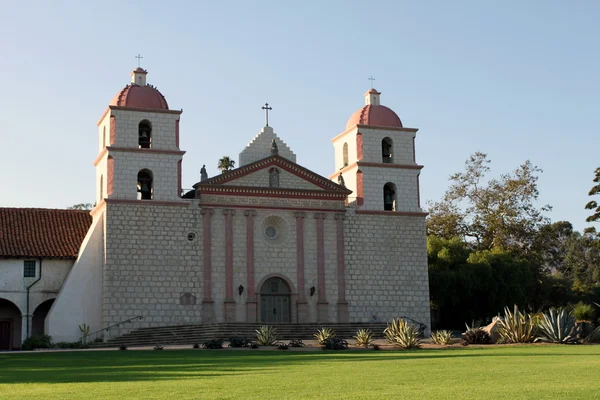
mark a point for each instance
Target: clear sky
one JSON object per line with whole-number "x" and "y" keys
{"x": 515, "y": 79}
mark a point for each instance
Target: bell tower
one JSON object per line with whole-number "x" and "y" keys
{"x": 139, "y": 156}
{"x": 375, "y": 154}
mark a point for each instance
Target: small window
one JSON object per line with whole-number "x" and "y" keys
{"x": 273, "y": 177}
{"x": 345, "y": 151}
{"x": 389, "y": 197}
{"x": 29, "y": 269}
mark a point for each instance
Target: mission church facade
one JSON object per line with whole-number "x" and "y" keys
{"x": 268, "y": 242}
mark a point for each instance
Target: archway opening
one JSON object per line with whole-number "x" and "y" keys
{"x": 145, "y": 134}
{"x": 389, "y": 197}
{"x": 275, "y": 301}
{"x": 145, "y": 185}
{"x": 39, "y": 318}
{"x": 10, "y": 325}
{"x": 386, "y": 150}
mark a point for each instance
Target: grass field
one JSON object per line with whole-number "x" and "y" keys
{"x": 519, "y": 372}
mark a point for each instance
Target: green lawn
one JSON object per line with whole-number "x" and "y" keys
{"x": 532, "y": 372}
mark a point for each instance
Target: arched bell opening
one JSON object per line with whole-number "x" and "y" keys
{"x": 389, "y": 197}
{"x": 145, "y": 134}
{"x": 145, "y": 187}
{"x": 387, "y": 146}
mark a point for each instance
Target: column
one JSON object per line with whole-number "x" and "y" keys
{"x": 26, "y": 320}
{"x": 251, "y": 303}
{"x": 342, "y": 304}
{"x": 208, "y": 307}
{"x": 322, "y": 314}
{"x": 301, "y": 303}
{"x": 229, "y": 300}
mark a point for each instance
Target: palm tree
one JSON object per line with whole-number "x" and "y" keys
{"x": 226, "y": 164}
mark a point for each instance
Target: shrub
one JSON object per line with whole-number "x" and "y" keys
{"x": 239, "y": 341}
{"x": 402, "y": 334}
{"x": 296, "y": 343}
{"x": 158, "y": 347}
{"x": 364, "y": 337}
{"x": 266, "y": 335}
{"x": 69, "y": 345}
{"x": 122, "y": 347}
{"x": 254, "y": 345}
{"x": 196, "y": 346}
{"x": 583, "y": 312}
{"x": 213, "y": 344}
{"x": 556, "y": 326}
{"x": 334, "y": 343}
{"x": 37, "y": 342}
{"x": 516, "y": 327}
{"x": 323, "y": 334}
{"x": 594, "y": 337}
{"x": 282, "y": 346}
{"x": 376, "y": 347}
{"x": 475, "y": 335}
{"x": 441, "y": 337}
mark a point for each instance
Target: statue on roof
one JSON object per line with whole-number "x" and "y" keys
{"x": 203, "y": 174}
{"x": 274, "y": 149}
{"x": 341, "y": 181}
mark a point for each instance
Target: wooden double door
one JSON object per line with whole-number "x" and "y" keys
{"x": 275, "y": 302}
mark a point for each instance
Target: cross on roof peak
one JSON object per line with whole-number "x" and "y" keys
{"x": 139, "y": 58}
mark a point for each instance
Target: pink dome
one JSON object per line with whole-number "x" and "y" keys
{"x": 375, "y": 115}
{"x": 136, "y": 96}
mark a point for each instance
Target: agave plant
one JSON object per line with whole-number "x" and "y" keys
{"x": 402, "y": 334}
{"x": 266, "y": 335}
{"x": 323, "y": 334}
{"x": 556, "y": 326}
{"x": 441, "y": 337}
{"x": 593, "y": 337}
{"x": 475, "y": 335}
{"x": 516, "y": 327}
{"x": 364, "y": 337}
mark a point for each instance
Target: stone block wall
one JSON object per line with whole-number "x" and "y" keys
{"x": 286, "y": 180}
{"x": 127, "y": 122}
{"x": 386, "y": 267}
{"x": 260, "y": 146}
{"x": 407, "y": 192}
{"x": 402, "y": 150}
{"x": 150, "y": 264}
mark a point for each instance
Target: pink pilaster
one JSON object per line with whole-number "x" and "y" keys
{"x": 208, "y": 312}
{"x": 322, "y": 314}
{"x": 342, "y": 304}
{"x": 229, "y": 301}
{"x": 251, "y": 299}
{"x": 302, "y": 304}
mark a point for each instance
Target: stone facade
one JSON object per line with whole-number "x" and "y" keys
{"x": 251, "y": 247}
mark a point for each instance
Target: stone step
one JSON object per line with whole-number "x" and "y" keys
{"x": 190, "y": 334}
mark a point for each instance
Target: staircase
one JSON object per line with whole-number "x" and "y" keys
{"x": 191, "y": 334}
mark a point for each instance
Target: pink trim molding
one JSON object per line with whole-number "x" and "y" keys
{"x": 393, "y": 213}
{"x": 322, "y": 298}
{"x": 300, "y": 255}
{"x": 206, "y": 255}
{"x": 250, "y": 214}
{"x": 229, "y": 255}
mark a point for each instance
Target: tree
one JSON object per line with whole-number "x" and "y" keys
{"x": 81, "y": 206}
{"x": 494, "y": 213}
{"x": 226, "y": 164}
{"x": 593, "y": 204}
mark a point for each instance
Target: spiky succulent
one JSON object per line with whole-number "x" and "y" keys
{"x": 556, "y": 326}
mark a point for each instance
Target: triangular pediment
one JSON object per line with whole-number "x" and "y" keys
{"x": 291, "y": 176}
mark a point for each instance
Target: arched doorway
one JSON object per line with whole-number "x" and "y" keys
{"x": 275, "y": 300}
{"x": 10, "y": 325}
{"x": 39, "y": 318}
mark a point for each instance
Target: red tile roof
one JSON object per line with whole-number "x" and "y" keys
{"x": 41, "y": 232}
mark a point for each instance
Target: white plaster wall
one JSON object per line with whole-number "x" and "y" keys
{"x": 374, "y": 178}
{"x": 260, "y": 147}
{"x": 286, "y": 180}
{"x": 163, "y": 128}
{"x": 104, "y": 126}
{"x": 101, "y": 171}
{"x": 402, "y": 151}
{"x": 386, "y": 268}
{"x": 163, "y": 167}
{"x": 80, "y": 298}
{"x": 338, "y": 148}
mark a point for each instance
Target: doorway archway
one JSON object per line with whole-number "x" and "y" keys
{"x": 10, "y": 325}
{"x": 39, "y": 318}
{"x": 275, "y": 301}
